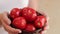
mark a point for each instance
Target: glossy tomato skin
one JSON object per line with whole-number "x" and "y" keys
{"x": 30, "y": 28}
{"x": 29, "y": 14}
{"x": 19, "y": 22}
{"x": 15, "y": 12}
{"x": 40, "y": 21}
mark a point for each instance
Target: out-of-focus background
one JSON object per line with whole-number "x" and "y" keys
{"x": 52, "y": 8}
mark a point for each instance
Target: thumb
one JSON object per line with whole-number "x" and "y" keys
{"x": 4, "y": 16}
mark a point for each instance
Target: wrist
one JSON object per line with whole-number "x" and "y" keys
{"x": 33, "y": 4}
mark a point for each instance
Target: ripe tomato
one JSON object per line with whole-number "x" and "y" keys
{"x": 30, "y": 28}
{"x": 15, "y": 12}
{"x": 40, "y": 21}
{"x": 29, "y": 14}
{"x": 19, "y": 22}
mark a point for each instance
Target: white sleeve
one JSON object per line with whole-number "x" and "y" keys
{"x": 7, "y": 5}
{"x": 2, "y": 31}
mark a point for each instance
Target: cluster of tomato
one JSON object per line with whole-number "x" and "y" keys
{"x": 27, "y": 19}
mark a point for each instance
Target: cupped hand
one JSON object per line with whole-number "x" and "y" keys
{"x": 6, "y": 24}
{"x": 46, "y": 27}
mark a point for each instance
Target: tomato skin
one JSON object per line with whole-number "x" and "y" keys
{"x": 19, "y": 22}
{"x": 40, "y": 21}
{"x": 15, "y": 12}
{"x": 29, "y": 14}
{"x": 30, "y": 28}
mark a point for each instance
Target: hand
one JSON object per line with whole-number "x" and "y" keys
{"x": 46, "y": 27}
{"x": 6, "y": 24}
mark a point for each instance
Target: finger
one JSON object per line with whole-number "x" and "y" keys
{"x": 12, "y": 33}
{"x": 43, "y": 32}
{"x": 46, "y": 26}
{"x": 43, "y": 13}
{"x": 5, "y": 18}
{"x": 10, "y": 29}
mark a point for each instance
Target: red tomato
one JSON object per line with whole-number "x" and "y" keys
{"x": 15, "y": 12}
{"x": 30, "y": 28}
{"x": 29, "y": 14}
{"x": 40, "y": 21}
{"x": 19, "y": 23}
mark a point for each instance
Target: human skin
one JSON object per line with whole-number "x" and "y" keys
{"x": 6, "y": 21}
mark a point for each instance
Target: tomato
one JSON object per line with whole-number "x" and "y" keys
{"x": 30, "y": 28}
{"x": 29, "y": 14}
{"x": 19, "y": 22}
{"x": 15, "y": 12}
{"x": 40, "y": 21}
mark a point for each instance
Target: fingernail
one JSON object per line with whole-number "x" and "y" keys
{"x": 20, "y": 31}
